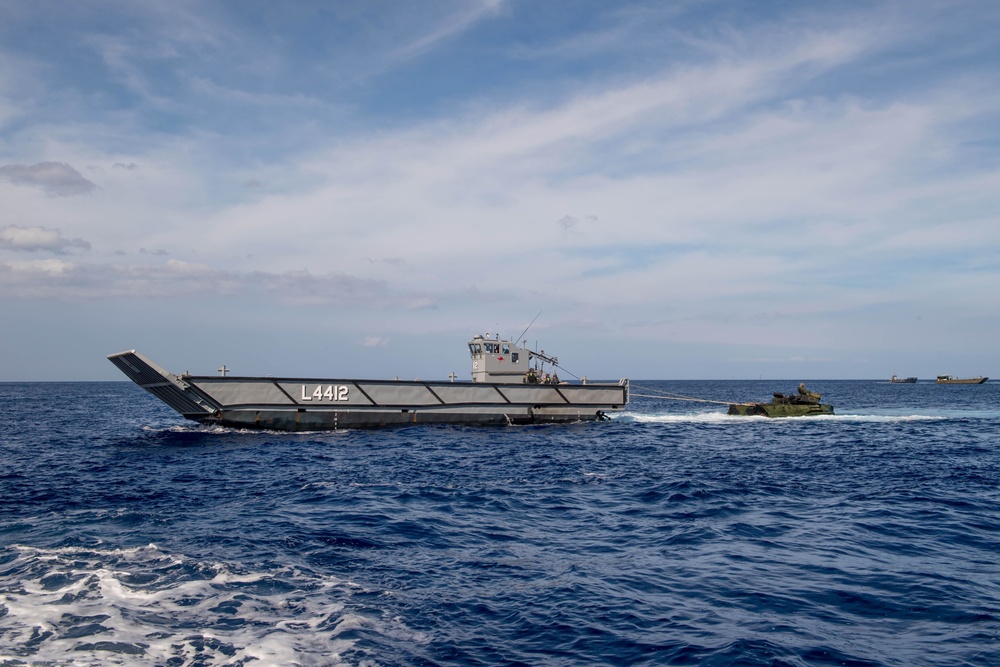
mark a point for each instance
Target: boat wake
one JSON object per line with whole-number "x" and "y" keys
{"x": 141, "y": 606}
{"x": 882, "y": 416}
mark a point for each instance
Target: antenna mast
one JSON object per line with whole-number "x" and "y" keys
{"x": 526, "y": 328}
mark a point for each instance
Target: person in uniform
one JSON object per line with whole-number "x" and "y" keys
{"x": 809, "y": 396}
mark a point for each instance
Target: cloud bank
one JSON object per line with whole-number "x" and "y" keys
{"x": 643, "y": 173}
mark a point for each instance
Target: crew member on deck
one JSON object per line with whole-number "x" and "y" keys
{"x": 807, "y": 395}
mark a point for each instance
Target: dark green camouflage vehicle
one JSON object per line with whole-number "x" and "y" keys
{"x": 800, "y": 404}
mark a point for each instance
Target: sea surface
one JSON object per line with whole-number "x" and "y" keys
{"x": 671, "y": 535}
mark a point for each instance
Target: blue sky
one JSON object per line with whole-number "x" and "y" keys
{"x": 683, "y": 189}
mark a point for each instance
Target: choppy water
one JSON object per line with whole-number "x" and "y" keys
{"x": 672, "y": 535}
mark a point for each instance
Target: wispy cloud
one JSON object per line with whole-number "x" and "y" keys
{"x": 57, "y": 179}
{"x": 61, "y": 279}
{"x": 468, "y": 14}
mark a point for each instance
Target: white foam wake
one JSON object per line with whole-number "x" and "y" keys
{"x": 140, "y": 606}
{"x": 859, "y": 416}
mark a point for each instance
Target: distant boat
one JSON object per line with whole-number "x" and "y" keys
{"x": 947, "y": 379}
{"x": 898, "y": 380}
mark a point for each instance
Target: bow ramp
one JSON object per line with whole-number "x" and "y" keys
{"x": 163, "y": 384}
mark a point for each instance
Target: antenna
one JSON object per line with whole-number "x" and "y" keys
{"x": 526, "y": 328}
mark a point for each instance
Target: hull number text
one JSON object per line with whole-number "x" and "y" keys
{"x": 331, "y": 392}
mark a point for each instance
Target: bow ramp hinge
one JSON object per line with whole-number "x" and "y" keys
{"x": 161, "y": 383}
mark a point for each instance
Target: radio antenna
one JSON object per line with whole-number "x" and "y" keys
{"x": 526, "y": 328}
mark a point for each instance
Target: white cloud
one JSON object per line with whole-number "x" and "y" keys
{"x": 32, "y": 239}
{"x": 49, "y": 268}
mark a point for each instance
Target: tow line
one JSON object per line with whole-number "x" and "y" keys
{"x": 680, "y": 397}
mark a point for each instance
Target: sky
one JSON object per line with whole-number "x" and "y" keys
{"x": 677, "y": 190}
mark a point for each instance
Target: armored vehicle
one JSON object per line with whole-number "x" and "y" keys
{"x": 799, "y": 404}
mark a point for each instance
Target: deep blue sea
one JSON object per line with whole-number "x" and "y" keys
{"x": 671, "y": 535}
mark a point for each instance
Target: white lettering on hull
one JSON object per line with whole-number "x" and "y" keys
{"x": 331, "y": 392}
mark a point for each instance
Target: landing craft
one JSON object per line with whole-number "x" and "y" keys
{"x": 947, "y": 379}
{"x": 507, "y": 387}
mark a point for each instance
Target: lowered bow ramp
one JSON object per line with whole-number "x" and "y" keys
{"x": 163, "y": 384}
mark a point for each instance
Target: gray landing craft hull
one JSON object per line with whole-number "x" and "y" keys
{"x": 947, "y": 379}
{"x": 291, "y": 404}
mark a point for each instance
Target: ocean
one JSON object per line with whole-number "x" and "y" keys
{"x": 671, "y": 535}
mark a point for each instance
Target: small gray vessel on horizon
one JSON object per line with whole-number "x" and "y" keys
{"x": 507, "y": 387}
{"x": 948, "y": 379}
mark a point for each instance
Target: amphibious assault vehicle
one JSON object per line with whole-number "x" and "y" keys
{"x": 799, "y": 404}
